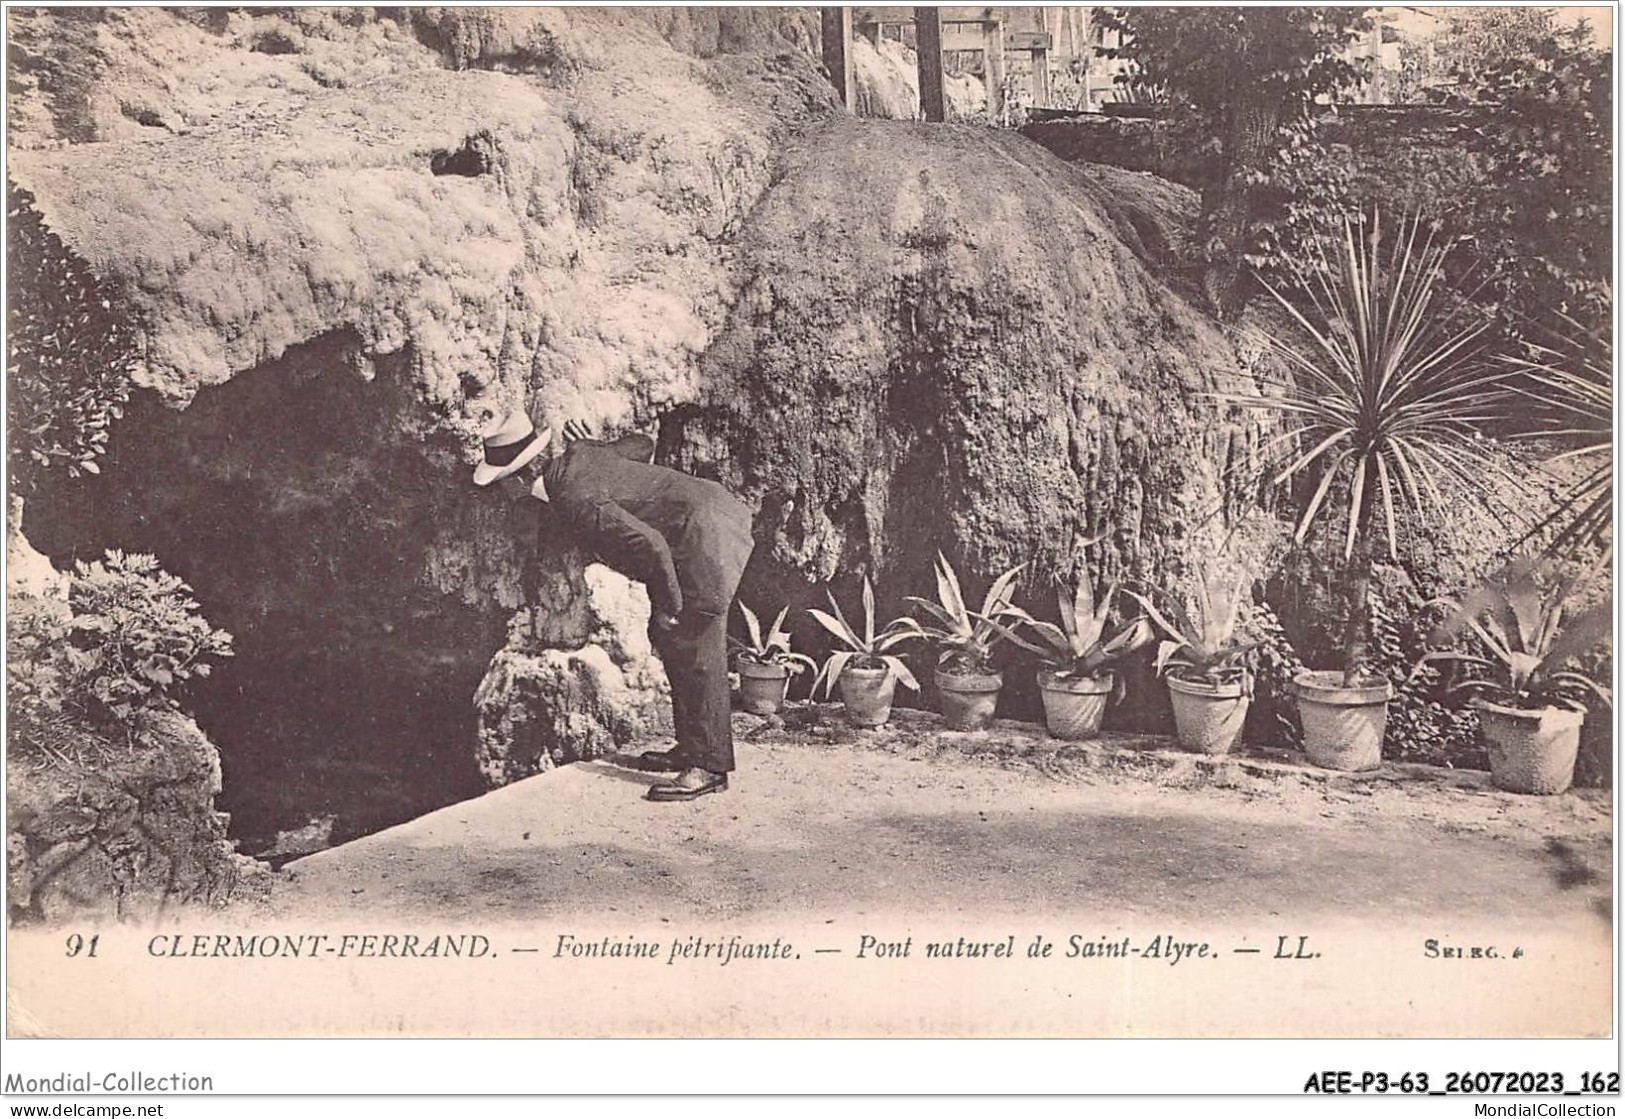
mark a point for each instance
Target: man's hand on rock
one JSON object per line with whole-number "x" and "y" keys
{"x": 575, "y": 429}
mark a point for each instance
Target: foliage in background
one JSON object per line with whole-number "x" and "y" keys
{"x": 1541, "y": 221}
{"x": 1273, "y": 716}
{"x": 1471, "y": 45}
{"x": 1548, "y": 152}
{"x": 1539, "y": 218}
{"x": 127, "y": 640}
{"x": 69, "y": 352}
{"x": 1245, "y": 74}
{"x": 1422, "y": 727}
{"x": 1524, "y": 181}
{"x": 1302, "y": 195}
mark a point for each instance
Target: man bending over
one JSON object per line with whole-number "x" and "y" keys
{"x": 686, "y": 539}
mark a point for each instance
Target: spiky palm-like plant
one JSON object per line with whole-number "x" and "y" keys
{"x": 1085, "y": 644}
{"x": 1386, "y": 391}
{"x": 1566, "y": 397}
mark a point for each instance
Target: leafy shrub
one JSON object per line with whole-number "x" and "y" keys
{"x": 128, "y": 637}
{"x": 36, "y": 629}
{"x": 136, "y": 633}
{"x": 1421, "y": 726}
{"x": 1302, "y": 195}
{"x": 69, "y": 355}
{"x": 45, "y": 719}
{"x": 1273, "y": 718}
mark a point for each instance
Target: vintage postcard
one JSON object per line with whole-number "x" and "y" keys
{"x": 773, "y": 522}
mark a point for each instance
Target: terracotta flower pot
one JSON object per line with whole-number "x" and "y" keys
{"x": 762, "y": 687}
{"x": 968, "y": 699}
{"x": 1530, "y": 751}
{"x": 1342, "y": 726}
{"x": 1208, "y": 717}
{"x": 1073, "y": 706}
{"x": 867, "y": 694}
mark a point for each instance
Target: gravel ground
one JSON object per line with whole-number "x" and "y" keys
{"x": 825, "y": 822}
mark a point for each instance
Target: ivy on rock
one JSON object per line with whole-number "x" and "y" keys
{"x": 70, "y": 353}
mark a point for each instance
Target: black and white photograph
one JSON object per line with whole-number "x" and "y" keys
{"x": 749, "y": 522}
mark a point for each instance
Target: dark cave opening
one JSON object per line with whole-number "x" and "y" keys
{"x": 366, "y": 584}
{"x": 476, "y": 156}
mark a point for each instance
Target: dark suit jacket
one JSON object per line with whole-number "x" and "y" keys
{"x": 686, "y": 539}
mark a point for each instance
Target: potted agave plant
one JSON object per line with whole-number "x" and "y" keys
{"x": 1204, "y": 663}
{"x": 1529, "y": 709}
{"x": 965, "y": 638}
{"x": 1385, "y": 389}
{"x": 766, "y": 663}
{"x": 1078, "y": 678}
{"x": 866, "y": 670}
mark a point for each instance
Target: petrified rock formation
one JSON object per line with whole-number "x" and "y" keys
{"x": 349, "y": 236}
{"x": 957, "y": 341}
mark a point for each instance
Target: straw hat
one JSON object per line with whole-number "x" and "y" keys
{"x": 510, "y": 442}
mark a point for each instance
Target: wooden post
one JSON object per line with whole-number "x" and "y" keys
{"x": 1040, "y": 77}
{"x": 993, "y": 68}
{"x": 928, "y": 35}
{"x": 1083, "y": 49}
{"x": 1376, "y": 63}
{"x": 837, "y": 29}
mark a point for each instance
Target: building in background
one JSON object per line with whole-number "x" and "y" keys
{"x": 1043, "y": 56}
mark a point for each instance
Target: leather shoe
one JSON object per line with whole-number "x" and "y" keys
{"x": 690, "y": 783}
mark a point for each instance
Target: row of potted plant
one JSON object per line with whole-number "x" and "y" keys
{"x": 1530, "y": 708}
{"x": 1079, "y": 656}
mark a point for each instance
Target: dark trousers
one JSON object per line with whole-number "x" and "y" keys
{"x": 695, "y": 654}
